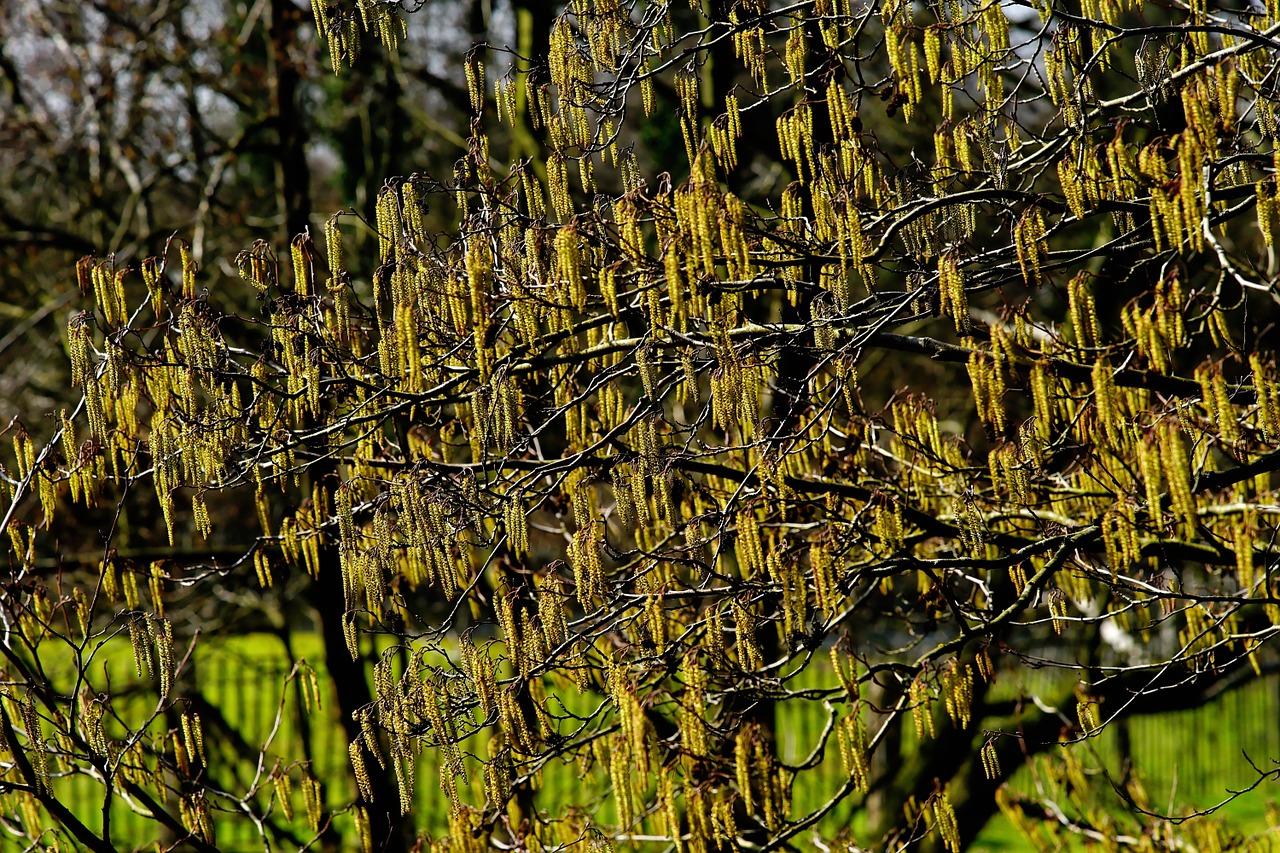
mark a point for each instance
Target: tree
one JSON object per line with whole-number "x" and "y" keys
{"x": 154, "y": 120}
{"x": 945, "y": 352}
{"x": 158, "y": 121}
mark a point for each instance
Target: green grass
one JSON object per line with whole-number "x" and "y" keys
{"x": 1186, "y": 759}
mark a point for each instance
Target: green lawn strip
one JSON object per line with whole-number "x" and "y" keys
{"x": 1186, "y": 759}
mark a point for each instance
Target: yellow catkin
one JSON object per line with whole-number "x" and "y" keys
{"x": 1177, "y": 473}
{"x": 1029, "y": 240}
{"x": 944, "y": 822}
{"x": 852, "y": 736}
{"x": 283, "y": 786}
{"x": 990, "y": 760}
{"x": 953, "y": 301}
{"x": 921, "y": 708}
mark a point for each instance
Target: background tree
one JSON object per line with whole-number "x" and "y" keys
{"x": 218, "y": 122}
{"x": 125, "y": 125}
{"x": 154, "y": 120}
{"x": 633, "y": 460}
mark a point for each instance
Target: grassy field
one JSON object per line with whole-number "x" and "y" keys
{"x": 1186, "y": 759}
